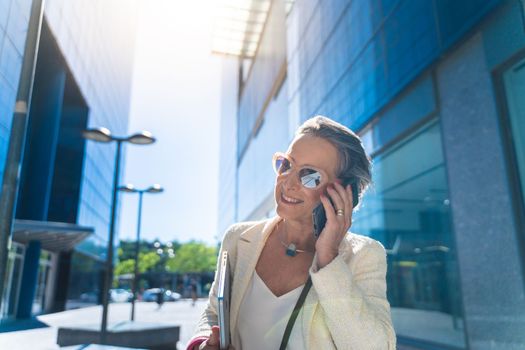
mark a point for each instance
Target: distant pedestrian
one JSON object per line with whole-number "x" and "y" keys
{"x": 193, "y": 293}
{"x": 160, "y": 298}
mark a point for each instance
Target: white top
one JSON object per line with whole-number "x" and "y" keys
{"x": 263, "y": 317}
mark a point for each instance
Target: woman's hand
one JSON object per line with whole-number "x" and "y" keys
{"x": 213, "y": 341}
{"x": 327, "y": 245}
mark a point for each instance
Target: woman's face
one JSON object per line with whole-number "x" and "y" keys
{"x": 294, "y": 201}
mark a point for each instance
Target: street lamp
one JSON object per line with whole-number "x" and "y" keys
{"x": 129, "y": 188}
{"x": 164, "y": 251}
{"x": 104, "y": 135}
{"x": 161, "y": 251}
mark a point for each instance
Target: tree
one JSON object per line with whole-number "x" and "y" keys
{"x": 193, "y": 257}
{"x": 126, "y": 248}
{"x": 146, "y": 262}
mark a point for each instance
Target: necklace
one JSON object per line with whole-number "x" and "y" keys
{"x": 291, "y": 249}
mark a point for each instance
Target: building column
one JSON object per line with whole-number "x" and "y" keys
{"x": 51, "y": 286}
{"x": 486, "y": 236}
{"x": 62, "y": 281}
{"x": 29, "y": 280}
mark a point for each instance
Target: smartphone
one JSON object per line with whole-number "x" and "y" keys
{"x": 319, "y": 214}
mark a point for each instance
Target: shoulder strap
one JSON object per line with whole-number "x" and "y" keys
{"x": 295, "y": 313}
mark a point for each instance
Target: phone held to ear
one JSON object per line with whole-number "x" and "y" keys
{"x": 319, "y": 214}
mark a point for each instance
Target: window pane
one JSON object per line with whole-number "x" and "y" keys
{"x": 408, "y": 210}
{"x": 514, "y": 80}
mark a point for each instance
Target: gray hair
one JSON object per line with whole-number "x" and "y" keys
{"x": 354, "y": 164}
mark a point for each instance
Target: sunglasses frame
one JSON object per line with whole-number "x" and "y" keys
{"x": 322, "y": 174}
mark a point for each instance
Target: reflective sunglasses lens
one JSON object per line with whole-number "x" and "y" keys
{"x": 310, "y": 178}
{"x": 281, "y": 165}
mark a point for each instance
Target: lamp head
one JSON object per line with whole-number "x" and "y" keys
{"x": 156, "y": 188}
{"x": 141, "y": 138}
{"x": 98, "y": 135}
{"x": 129, "y": 188}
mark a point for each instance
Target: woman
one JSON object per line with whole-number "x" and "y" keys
{"x": 272, "y": 260}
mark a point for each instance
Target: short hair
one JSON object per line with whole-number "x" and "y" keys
{"x": 354, "y": 164}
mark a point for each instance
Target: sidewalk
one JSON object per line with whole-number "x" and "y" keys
{"x": 178, "y": 313}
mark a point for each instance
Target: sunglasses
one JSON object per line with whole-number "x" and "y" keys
{"x": 309, "y": 177}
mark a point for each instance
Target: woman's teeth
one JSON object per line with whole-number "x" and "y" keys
{"x": 290, "y": 199}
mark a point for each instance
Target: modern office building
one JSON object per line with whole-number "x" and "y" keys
{"x": 82, "y": 80}
{"x": 436, "y": 90}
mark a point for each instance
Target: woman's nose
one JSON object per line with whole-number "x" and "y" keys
{"x": 291, "y": 181}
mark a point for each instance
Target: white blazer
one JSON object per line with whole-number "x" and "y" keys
{"x": 346, "y": 308}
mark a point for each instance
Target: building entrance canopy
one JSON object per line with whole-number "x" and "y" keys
{"x": 54, "y": 236}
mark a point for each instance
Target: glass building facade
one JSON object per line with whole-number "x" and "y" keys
{"x": 513, "y": 122}
{"x": 408, "y": 210}
{"x": 83, "y": 79}
{"x": 435, "y": 89}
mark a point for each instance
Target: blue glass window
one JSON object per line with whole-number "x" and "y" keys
{"x": 408, "y": 210}
{"x": 514, "y": 83}
{"x": 456, "y": 17}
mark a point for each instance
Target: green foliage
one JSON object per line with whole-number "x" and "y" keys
{"x": 188, "y": 257}
{"x": 193, "y": 257}
{"x": 124, "y": 267}
{"x": 147, "y": 261}
{"x": 126, "y": 249}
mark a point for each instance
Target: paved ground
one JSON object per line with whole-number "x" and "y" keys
{"x": 179, "y": 313}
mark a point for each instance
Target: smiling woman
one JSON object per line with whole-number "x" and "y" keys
{"x": 337, "y": 279}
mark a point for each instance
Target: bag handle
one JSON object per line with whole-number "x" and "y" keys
{"x": 295, "y": 313}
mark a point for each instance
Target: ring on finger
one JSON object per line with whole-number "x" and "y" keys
{"x": 340, "y": 212}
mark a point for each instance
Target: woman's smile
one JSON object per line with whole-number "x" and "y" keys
{"x": 289, "y": 200}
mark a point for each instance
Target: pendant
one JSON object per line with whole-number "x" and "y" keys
{"x": 291, "y": 250}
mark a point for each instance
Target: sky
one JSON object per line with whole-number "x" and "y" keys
{"x": 176, "y": 96}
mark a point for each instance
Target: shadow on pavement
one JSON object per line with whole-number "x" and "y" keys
{"x": 21, "y": 325}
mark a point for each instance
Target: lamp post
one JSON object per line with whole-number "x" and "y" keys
{"x": 164, "y": 251}
{"x": 129, "y": 188}
{"x": 104, "y": 135}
